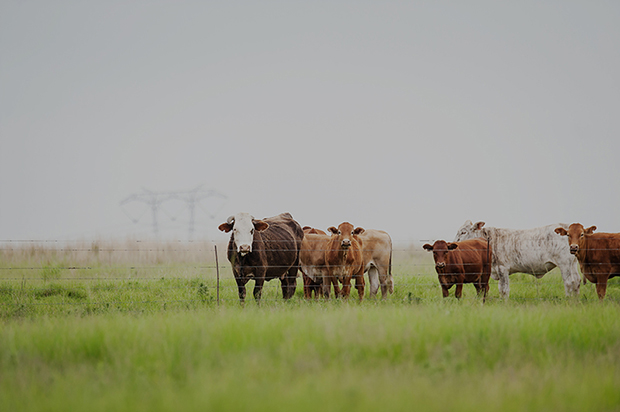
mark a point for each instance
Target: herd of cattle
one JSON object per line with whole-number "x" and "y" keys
{"x": 277, "y": 247}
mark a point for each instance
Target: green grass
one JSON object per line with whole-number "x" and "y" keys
{"x": 103, "y": 335}
{"x": 439, "y": 356}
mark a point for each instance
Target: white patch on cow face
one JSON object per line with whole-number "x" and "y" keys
{"x": 243, "y": 233}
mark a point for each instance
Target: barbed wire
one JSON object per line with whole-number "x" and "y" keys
{"x": 409, "y": 268}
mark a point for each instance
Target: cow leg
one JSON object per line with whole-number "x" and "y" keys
{"x": 337, "y": 290}
{"x": 373, "y": 279}
{"x": 318, "y": 289}
{"x": 359, "y": 284}
{"x": 570, "y": 276}
{"x": 307, "y": 286}
{"x": 241, "y": 281}
{"x": 459, "y": 290}
{"x": 445, "y": 290}
{"x": 601, "y": 286}
{"x": 503, "y": 284}
{"x": 346, "y": 287}
{"x": 326, "y": 285}
{"x": 258, "y": 288}
{"x": 289, "y": 283}
{"x": 384, "y": 281}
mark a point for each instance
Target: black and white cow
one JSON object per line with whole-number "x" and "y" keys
{"x": 534, "y": 251}
{"x": 263, "y": 250}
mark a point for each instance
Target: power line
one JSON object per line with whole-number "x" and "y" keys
{"x": 192, "y": 198}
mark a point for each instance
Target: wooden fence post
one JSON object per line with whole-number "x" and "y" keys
{"x": 217, "y": 270}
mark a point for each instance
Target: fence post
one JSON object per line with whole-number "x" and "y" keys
{"x": 217, "y": 270}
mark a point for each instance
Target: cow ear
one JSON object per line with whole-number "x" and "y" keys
{"x": 590, "y": 230}
{"x": 452, "y": 246}
{"x": 561, "y": 231}
{"x": 225, "y": 227}
{"x": 478, "y": 225}
{"x": 260, "y": 225}
{"x": 333, "y": 230}
{"x": 359, "y": 230}
{"x": 427, "y": 247}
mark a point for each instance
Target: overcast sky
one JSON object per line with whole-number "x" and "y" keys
{"x": 410, "y": 117}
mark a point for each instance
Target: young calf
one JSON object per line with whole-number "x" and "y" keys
{"x": 457, "y": 263}
{"x": 344, "y": 260}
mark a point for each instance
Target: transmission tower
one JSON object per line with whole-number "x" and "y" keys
{"x": 191, "y": 198}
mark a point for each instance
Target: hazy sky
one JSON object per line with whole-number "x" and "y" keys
{"x": 410, "y": 117}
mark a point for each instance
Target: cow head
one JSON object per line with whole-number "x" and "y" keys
{"x": 576, "y": 236}
{"x": 345, "y": 234}
{"x": 469, "y": 230}
{"x": 440, "y": 251}
{"x": 243, "y": 227}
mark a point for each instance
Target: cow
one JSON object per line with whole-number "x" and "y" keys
{"x": 598, "y": 254}
{"x": 377, "y": 255}
{"x": 457, "y": 263}
{"x": 344, "y": 260}
{"x": 312, "y": 261}
{"x": 263, "y": 250}
{"x": 534, "y": 251}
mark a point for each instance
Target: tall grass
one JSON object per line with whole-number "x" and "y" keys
{"x": 440, "y": 356}
{"x": 82, "y": 330}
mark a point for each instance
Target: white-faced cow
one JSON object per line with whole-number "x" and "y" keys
{"x": 598, "y": 254}
{"x": 312, "y": 261}
{"x": 344, "y": 260}
{"x": 534, "y": 251}
{"x": 377, "y": 255}
{"x": 463, "y": 262}
{"x": 263, "y": 250}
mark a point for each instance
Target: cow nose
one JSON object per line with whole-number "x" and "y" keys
{"x": 441, "y": 265}
{"x": 574, "y": 249}
{"x": 244, "y": 249}
{"x": 346, "y": 243}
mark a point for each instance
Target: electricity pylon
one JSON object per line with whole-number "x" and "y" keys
{"x": 191, "y": 198}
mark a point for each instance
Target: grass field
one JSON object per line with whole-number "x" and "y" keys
{"x": 129, "y": 329}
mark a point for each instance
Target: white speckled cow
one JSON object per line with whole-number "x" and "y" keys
{"x": 534, "y": 251}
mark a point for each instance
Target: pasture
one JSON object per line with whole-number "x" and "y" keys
{"x": 137, "y": 326}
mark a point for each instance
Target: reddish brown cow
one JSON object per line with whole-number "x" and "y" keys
{"x": 344, "y": 260}
{"x": 598, "y": 254}
{"x": 312, "y": 261}
{"x": 457, "y": 263}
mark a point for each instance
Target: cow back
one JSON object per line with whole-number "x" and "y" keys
{"x": 601, "y": 254}
{"x": 534, "y": 251}
{"x": 281, "y": 240}
{"x": 471, "y": 259}
{"x": 376, "y": 248}
{"x": 312, "y": 254}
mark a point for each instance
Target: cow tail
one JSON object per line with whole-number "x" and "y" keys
{"x": 390, "y": 279}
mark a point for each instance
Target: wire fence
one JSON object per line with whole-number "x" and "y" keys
{"x": 138, "y": 273}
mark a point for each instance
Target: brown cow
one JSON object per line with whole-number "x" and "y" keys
{"x": 344, "y": 260}
{"x": 598, "y": 254}
{"x": 457, "y": 263}
{"x": 312, "y": 261}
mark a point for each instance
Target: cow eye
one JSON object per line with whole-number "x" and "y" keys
{"x": 252, "y": 231}
{"x": 339, "y": 232}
